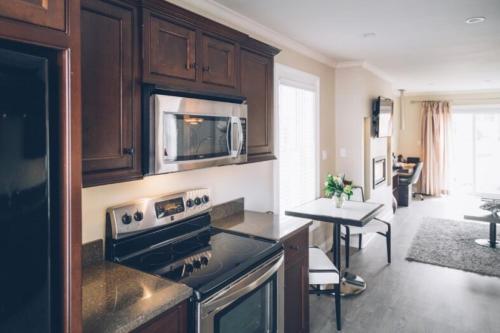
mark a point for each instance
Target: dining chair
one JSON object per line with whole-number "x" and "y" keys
{"x": 323, "y": 272}
{"x": 376, "y": 225}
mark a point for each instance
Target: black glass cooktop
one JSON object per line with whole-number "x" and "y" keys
{"x": 206, "y": 262}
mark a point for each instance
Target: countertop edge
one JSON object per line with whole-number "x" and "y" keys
{"x": 263, "y": 218}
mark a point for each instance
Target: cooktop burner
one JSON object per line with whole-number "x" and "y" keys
{"x": 205, "y": 263}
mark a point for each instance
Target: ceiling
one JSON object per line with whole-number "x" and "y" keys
{"x": 421, "y": 45}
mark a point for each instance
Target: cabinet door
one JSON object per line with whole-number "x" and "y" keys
{"x": 257, "y": 87}
{"x": 297, "y": 297}
{"x": 170, "y": 49}
{"x": 47, "y": 13}
{"x": 173, "y": 321}
{"x": 110, "y": 92}
{"x": 297, "y": 282}
{"x": 219, "y": 61}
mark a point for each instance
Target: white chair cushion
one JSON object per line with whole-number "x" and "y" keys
{"x": 373, "y": 225}
{"x": 321, "y": 269}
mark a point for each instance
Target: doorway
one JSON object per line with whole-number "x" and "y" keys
{"x": 476, "y": 150}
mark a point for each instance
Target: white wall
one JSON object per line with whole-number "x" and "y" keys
{"x": 253, "y": 181}
{"x": 355, "y": 89}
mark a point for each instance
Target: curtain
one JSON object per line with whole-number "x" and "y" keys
{"x": 436, "y": 134}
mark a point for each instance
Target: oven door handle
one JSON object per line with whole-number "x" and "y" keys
{"x": 243, "y": 286}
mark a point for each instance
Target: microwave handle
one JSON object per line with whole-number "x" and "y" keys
{"x": 229, "y": 136}
{"x": 240, "y": 136}
{"x": 235, "y": 136}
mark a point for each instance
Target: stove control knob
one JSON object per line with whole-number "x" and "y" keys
{"x": 205, "y": 199}
{"x": 204, "y": 260}
{"x": 138, "y": 216}
{"x": 197, "y": 201}
{"x": 126, "y": 218}
{"x": 188, "y": 268}
{"x": 189, "y": 203}
{"x": 197, "y": 264}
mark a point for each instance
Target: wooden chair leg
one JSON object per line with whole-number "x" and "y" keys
{"x": 347, "y": 241}
{"x": 360, "y": 241}
{"x": 338, "y": 316}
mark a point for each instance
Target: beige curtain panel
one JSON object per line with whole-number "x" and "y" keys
{"x": 436, "y": 149}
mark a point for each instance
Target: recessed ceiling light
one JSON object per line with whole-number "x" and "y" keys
{"x": 369, "y": 35}
{"x": 474, "y": 20}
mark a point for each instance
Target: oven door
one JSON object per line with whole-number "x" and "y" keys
{"x": 254, "y": 303}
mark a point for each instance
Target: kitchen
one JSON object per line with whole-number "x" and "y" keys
{"x": 138, "y": 57}
{"x": 171, "y": 166}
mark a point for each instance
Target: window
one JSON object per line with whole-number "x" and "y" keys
{"x": 296, "y": 172}
{"x": 476, "y": 149}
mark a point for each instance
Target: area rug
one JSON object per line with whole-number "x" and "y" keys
{"x": 451, "y": 244}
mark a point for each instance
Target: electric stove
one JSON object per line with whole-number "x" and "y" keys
{"x": 171, "y": 236}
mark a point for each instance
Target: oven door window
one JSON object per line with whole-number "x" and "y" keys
{"x": 253, "y": 313}
{"x": 195, "y": 137}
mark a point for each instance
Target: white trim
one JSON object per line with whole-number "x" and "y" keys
{"x": 234, "y": 18}
{"x": 365, "y": 65}
{"x": 297, "y": 78}
{"x": 475, "y": 108}
{"x": 453, "y": 93}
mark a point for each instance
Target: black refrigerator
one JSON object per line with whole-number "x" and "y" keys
{"x": 29, "y": 227}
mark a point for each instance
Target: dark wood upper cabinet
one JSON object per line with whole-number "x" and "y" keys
{"x": 257, "y": 86}
{"x": 185, "y": 51}
{"x": 219, "y": 61}
{"x": 172, "y": 50}
{"x": 46, "y": 13}
{"x": 180, "y": 51}
{"x": 110, "y": 92}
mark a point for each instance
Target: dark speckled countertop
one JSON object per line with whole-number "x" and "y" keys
{"x": 262, "y": 225}
{"x": 119, "y": 299}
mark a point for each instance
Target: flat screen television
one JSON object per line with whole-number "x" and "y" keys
{"x": 382, "y": 117}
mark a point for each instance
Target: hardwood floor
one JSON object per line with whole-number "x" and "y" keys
{"x": 413, "y": 297}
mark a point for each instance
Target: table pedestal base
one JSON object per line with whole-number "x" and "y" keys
{"x": 488, "y": 243}
{"x": 352, "y": 285}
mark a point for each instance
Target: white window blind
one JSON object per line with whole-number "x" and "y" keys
{"x": 297, "y": 154}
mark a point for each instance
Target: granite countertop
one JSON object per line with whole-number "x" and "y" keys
{"x": 119, "y": 299}
{"x": 262, "y": 225}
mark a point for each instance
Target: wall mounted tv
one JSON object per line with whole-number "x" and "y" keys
{"x": 382, "y": 117}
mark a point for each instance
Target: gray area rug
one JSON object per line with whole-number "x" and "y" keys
{"x": 451, "y": 244}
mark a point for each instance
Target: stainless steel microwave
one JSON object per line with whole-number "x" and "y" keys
{"x": 191, "y": 133}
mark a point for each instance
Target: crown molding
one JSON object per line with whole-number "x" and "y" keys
{"x": 423, "y": 93}
{"x": 238, "y": 20}
{"x": 365, "y": 65}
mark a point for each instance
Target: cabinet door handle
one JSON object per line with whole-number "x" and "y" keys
{"x": 206, "y": 69}
{"x": 128, "y": 151}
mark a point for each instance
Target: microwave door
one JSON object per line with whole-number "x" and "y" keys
{"x": 188, "y": 137}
